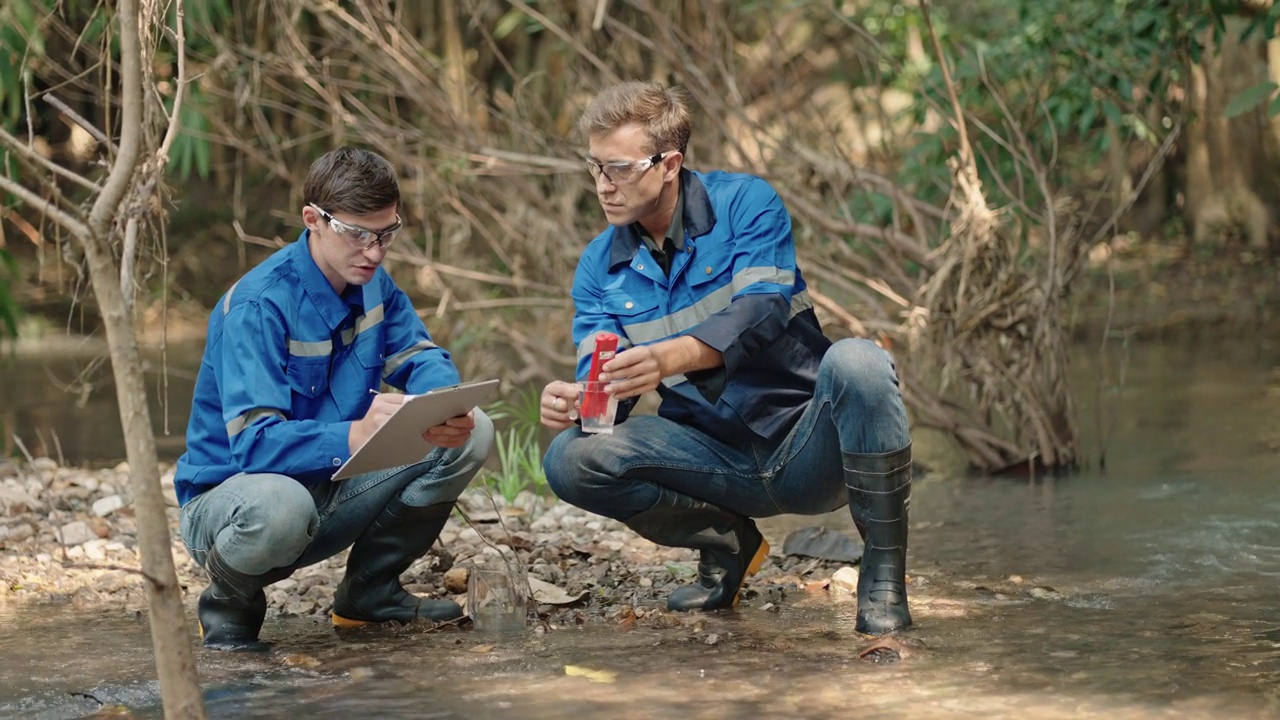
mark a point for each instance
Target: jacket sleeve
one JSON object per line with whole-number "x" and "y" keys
{"x": 256, "y": 399}
{"x": 413, "y": 362}
{"x": 764, "y": 275}
{"x": 589, "y": 319}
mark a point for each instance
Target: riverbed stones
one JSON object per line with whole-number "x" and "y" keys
{"x": 107, "y": 505}
{"x": 71, "y": 533}
{"x": 455, "y": 580}
{"x": 75, "y": 533}
{"x": 16, "y": 499}
{"x": 845, "y": 580}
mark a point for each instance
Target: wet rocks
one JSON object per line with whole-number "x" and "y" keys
{"x": 68, "y": 533}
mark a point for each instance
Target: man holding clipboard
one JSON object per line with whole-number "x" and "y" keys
{"x": 287, "y": 394}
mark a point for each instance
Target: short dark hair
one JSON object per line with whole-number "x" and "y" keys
{"x": 351, "y": 180}
{"x": 662, "y": 111}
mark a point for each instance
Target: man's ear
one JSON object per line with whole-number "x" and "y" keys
{"x": 311, "y": 218}
{"x": 671, "y": 165}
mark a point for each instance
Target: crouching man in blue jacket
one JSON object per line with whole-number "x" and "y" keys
{"x": 282, "y": 400}
{"x": 761, "y": 414}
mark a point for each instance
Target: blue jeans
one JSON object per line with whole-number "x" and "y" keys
{"x": 856, "y": 408}
{"x": 263, "y": 521}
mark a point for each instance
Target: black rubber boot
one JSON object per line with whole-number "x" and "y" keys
{"x": 232, "y": 608}
{"x": 371, "y": 592}
{"x": 879, "y": 497}
{"x": 730, "y": 545}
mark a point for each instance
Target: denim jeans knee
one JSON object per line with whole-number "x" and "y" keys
{"x": 258, "y": 522}
{"x": 452, "y": 469}
{"x": 566, "y": 466}
{"x": 858, "y": 378}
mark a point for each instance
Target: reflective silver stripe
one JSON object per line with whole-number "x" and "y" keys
{"x": 320, "y": 348}
{"x": 226, "y": 303}
{"x": 365, "y": 322}
{"x": 394, "y": 362}
{"x": 682, "y": 320}
{"x": 370, "y": 318}
{"x": 800, "y": 302}
{"x": 752, "y": 275}
{"x": 588, "y": 346}
{"x": 712, "y": 303}
{"x": 240, "y": 423}
{"x": 674, "y": 380}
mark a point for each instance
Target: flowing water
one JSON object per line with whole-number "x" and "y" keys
{"x": 1148, "y": 590}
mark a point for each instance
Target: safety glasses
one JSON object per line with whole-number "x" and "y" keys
{"x": 623, "y": 171}
{"x": 364, "y": 238}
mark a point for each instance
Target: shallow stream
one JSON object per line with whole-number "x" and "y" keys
{"x": 1148, "y": 590}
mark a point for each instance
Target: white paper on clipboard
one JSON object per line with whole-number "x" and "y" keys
{"x": 399, "y": 440}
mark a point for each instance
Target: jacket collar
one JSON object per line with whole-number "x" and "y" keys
{"x": 332, "y": 307}
{"x": 699, "y": 218}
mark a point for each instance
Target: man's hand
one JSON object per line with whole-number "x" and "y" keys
{"x": 634, "y": 371}
{"x": 384, "y": 406}
{"x": 453, "y": 432}
{"x": 639, "y": 369}
{"x": 559, "y": 404}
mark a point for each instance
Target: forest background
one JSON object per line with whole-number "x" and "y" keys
{"x": 975, "y": 185}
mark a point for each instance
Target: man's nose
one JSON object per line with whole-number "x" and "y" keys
{"x": 604, "y": 185}
{"x": 375, "y": 252}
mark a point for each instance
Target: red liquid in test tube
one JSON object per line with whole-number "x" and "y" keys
{"x": 594, "y": 403}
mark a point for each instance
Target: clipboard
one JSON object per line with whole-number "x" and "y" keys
{"x": 399, "y": 440}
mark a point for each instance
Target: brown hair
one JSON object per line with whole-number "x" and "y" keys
{"x": 351, "y": 180}
{"x": 662, "y": 111}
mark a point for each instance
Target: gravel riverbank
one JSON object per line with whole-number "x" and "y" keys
{"x": 69, "y": 536}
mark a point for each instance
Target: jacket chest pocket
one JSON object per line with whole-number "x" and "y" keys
{"x": 308, "y": 376}
{"x": 625, "y": 304}
{"x": 638, "y": 315}
{"x": 368, "y": 350}
{"x": 711, "y": 269}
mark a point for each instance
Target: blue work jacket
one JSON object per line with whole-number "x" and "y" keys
{"x": 289, "y": 364}
{"x": 734, "y": 286}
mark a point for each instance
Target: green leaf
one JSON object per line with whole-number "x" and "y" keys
{"x": 507, "y": 24}
{"x": 1113, "y": 113}
{"x": 9, "y": 311}
{"x": 1274, "y": 108}
{"x": 1087, "y": 116}
{"x": 1249, "y": 98}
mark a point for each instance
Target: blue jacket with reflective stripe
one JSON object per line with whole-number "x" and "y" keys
{"x": 735, "y": 287}
{"x": 288, "y": 365}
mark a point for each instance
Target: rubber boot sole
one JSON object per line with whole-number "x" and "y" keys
{"x": 346, "y": 623}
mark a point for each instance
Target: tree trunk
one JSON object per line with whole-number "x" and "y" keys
{"x": 1221, "y": 173}
{"x": 170, "y": 634}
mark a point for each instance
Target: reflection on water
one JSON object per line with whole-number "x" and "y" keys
{"x": 59, "y": 400}
{"x": 1148, "y": 590}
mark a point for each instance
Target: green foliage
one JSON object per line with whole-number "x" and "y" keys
{"x": 191, "y": 150}
{"x": 19, "y": 40}
{"x": 1250, "y": 98}
{"x": 1253, "y": 96}
{"x": 9, "y": 311}
{"x": 1058, "y": 73}
{"x": 519, "y": 451}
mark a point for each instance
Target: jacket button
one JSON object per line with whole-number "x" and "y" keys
{"x": 629, "y": 305}
{"x": 708, "y": 269}
{"x": 639, "y": 267}
{"x": 337, "y": 462}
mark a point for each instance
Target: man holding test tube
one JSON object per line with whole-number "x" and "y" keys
{"x": 761, "y": 414}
